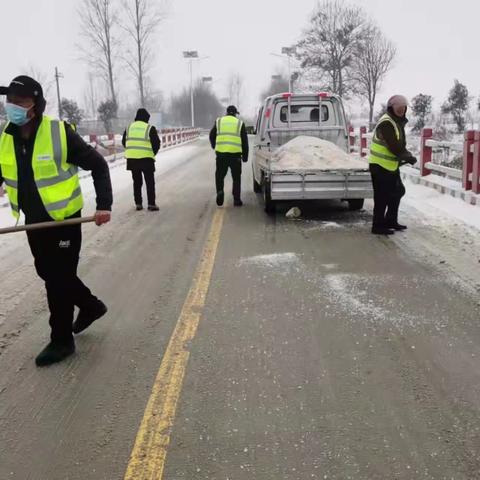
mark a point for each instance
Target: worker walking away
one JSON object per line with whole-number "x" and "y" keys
{"x": 39, "y": 160}
{"x": 229, "y": 139}
{"x": 387, "y": 152}
{"x": 142, "y": 143}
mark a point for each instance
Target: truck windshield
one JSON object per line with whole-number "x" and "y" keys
{"x": 303, "y": 113}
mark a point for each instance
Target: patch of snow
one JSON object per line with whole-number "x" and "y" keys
{"x": 304, "y": 153}
{"x": 272, "y": 260}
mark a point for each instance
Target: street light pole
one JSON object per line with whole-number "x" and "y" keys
{"x": 289, "y": 52}
{"x": 58, "y": 75}
{"x": 191, "y": 54}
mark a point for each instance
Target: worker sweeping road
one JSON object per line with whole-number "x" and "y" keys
{"x": 387, "y": 152}
{"x": 39, "y": 160}
{"x": 229, "y": 139}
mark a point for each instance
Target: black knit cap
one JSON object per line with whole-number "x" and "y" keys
{"x": 142, "y": 115}
{"x": 232, "y": 110}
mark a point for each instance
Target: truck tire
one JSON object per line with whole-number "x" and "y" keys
{"x": 356, "y": 204}
{"x": 267, "y": 198}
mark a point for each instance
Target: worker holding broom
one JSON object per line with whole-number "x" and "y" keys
{"x": 39, "y": 160}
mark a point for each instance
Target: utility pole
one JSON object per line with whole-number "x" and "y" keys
{"x": 58, "y": 75}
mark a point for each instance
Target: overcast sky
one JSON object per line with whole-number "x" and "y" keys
{"x": 437, "y": 41}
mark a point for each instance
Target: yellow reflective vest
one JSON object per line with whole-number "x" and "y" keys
{"x": 229, "y": 138}
{"x": 56, "y": 180}
{"x": 379, "y": 152}
{"x": 138, "y": 144}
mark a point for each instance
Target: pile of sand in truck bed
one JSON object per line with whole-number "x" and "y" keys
{"x": 311, "y": 153}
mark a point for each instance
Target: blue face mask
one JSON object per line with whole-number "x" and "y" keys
{"x": 16, "y": 114}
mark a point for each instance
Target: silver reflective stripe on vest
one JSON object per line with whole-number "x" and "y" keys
{"x": 57, "y": 155}
{"x": 229, "y": 143}
{"x": 11, "y": 183}
{"x": 385, "y": 157}
{"x": 148, "y": 149}
{"x": 51, "y": 207}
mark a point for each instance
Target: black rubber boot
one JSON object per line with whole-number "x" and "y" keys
{"x": 220, "y": 198}
{"x": 55, "y": 352}
{"x": 396, "y": 226}
{"x": 153, "y": 208}
{"x": 237, "y": 203}
{"x": 87, "y": 316}
{"x": 382, "y": 231}
{"x": 138, "y": 207}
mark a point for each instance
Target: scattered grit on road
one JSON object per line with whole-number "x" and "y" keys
{"x": 321, "y": 351}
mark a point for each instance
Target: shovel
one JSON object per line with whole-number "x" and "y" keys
{"x": 42, "y": 225}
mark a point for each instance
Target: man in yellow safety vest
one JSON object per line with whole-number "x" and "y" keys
{"x": 39, "y": 160}
{"x": 142, "y": 143}
{"x": 387, "y": 152}
{"x": 229, "y": 139}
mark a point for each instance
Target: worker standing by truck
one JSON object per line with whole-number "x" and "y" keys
{"x": 387, "y": 152}
{"x": 39, "y": 160}
{"x": 229, "y": 139}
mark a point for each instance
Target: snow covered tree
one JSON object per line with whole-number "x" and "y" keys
{"x": 380, "y": 112}
{"x": 329, "y": 45}
{"x": 71, "y": 111}
{"x": 373, "y": 60}
{"x": 107, "y": 111}
{"x": 457, "y": 105}
{"x": 421, "y": 109}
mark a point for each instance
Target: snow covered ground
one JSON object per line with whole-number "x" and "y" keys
{"x": 441, "y": 208}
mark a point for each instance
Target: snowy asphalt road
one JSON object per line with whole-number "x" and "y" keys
{"x": 322, "y": 352}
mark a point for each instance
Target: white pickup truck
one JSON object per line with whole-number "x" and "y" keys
{"x": 284, "y": 117}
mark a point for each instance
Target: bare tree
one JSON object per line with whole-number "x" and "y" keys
{"x": 235, "y": 88}
{"x": 99, "y": 22}
{"x": 373, "y": 60}
{"x": 142, "y": 19}
{"x": 329, "y": 44}
{"x": 90, "y": 96}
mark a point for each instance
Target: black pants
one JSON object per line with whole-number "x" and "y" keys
{"x": 56, "y": 252}
{"x": 137, "y": 176}
{"x": 388, "y": 190}
{"x": 235, "y": 165}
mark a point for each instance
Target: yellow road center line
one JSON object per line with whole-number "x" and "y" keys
{"x": 149, "y": 453}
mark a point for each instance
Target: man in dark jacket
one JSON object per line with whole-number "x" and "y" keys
{"x": 39, "y": 157}
{"x": 387, "y": 152}
{"x": 142, "y": 144}
{"x": 229, "y": 139}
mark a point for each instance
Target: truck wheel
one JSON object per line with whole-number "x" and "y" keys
{"x": 356, "y": 204}
{"x": 267, "y": 198}
{"x": 257, "y": 188}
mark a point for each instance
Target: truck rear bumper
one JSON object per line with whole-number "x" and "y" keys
{"x": 321, "y": 186}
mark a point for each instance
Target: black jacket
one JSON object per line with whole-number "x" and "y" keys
{"x": 148, "y": 162}
{"x": 79, "y": 154}
{"x": 386, "y": 132}
{"x": 245, "y": 147}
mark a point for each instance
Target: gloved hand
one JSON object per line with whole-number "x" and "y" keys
{"x": 245, "y": 160}
{"x": 411, "y": 160}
